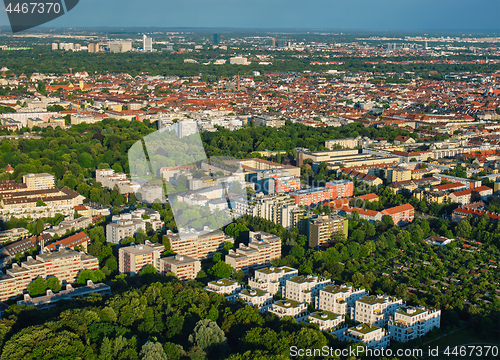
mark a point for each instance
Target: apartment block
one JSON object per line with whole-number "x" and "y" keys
{"x": 322, "y": 228}
{"x": 256, "y": 297}
{"x": 199, "y": 245}
{"x": 348, "y": 143}
{"x": 50, "y": 300}
{"x": 397, "y": 174}
{"x": 38, "y": 181}
{"x": 317, "y": 195}
{"x": 133, "y": 259}
{"x": 291, "y": 308}
{"x": 375, "y": 309}
{"x": 372, "y": 336}
{"x": 272, "y": 279}
{"x": 261, "y": 250}
{"x": 23, "y": 201}
{"x": 274, "y": 181}
{"x": 109, "y": 179}
{"x": 409, "y": 323}
{"x": 304, "y": 288}
{"x": 63, "y": 264}
{"x": 123, "y": 228}
{"x": 184, "y": 267}
{"x": 341, "y": 188}
{"x": 464, "y": 197}
{"x": 339, "y": 299}
{"x": 401, "y": 215}
{"x": 227, "y": 287}
{"x": 327, "y": 320}
{"x": 79, "y": 239}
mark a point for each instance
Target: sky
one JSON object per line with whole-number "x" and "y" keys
{"x": 419, "y": 15}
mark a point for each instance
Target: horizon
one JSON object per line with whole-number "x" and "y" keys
{"x": 330, "y": 15}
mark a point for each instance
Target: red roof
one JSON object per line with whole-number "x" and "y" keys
{"x": 398, "y": 209}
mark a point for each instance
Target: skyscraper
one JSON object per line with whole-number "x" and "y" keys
{"x": 216, "y": 39}
{"x": 147, "y": 43}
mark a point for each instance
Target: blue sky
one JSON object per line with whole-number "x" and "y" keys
{"x": 424, "y": 15}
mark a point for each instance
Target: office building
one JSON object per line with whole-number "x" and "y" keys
{"x": 94, "y": 47}
{"x": 182, "y": 266}
{"x": 147, "y": 43}
{"x": 261, "y": 250}
{"x": 133, "y": 259}
{"x": 304, "y": 288}
{"x": 272, "y": 279}
{"x": 216, "y": 39}
{"x": 238, "y": 60}
{"x": 409, "y": 323}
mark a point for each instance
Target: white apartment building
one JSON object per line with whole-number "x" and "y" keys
{"x": 227, "y": 287}
{"x": 372, "y": 336}
{"x": 121, "y": 229}
{"x": 109, "y": 179}
{"x": 376, "y": 309}
{"x": 304, "y": 288}
{"x": 272, "y": 279}
{"x": 184, "y": 267}
{"x": 327, "y": 320}
{"x": 339, "y": 299}
{"x": 146, "y": 215}
{"x": 262, "y": 248}
{"x": 199, "y": 245}
{"x": 133, "y": 259}
{"x": 409, "y": 323}
{"x": 38, "y": 181}
{"x": 258, "y": 298}
{"x": 291, "y": 308}
{"x": 63, "y": 264}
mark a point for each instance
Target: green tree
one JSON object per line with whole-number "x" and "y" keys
{"x": 221, "y": 270}
{"x": 149, "y": 269}
{"x": 208, "y": 335}
{"x": 54, "y": 284}
{"x": 152, "y": 351}
{"x": 37, "y": 287}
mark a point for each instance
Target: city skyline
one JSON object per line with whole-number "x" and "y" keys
{"x": 411, "y": 15}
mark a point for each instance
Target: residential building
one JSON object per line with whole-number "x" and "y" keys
{"x": 438, "y": 240}
{"x": 80, "y": 239}
{"x": 375, "y": 309}
{"x": 261, "y": 250}
{"x": 133, "y": 259}
{"x": 109, "y": 179}
{"x": 69, "y": 226}
{"x": 184, "y": 267}
{"x": 50, "y": 300}
{"x": 38, "y": 181}
{"x": 322, "y": 228}
{"x": 256, "y": 297}
{"x": 268, "y": 121}
{"x": 199, "y": 245}
{"x": 291, "y": 308}
{"x": 123, "y": 228}
{"x": 327, "y": 320}
{"x": 304, "y": 288}
{"x": 272, "y": 279}
{"x": 339, "y": 299}
{"x": 316, "y": 195}
{"x": 397, "y": 174}
{"x": 227, "y": 287}
{"x": 341, "y": 188}
{"x": 409, "y": 323}
{"x": 348, "y": 143}
{"x": 464, "y": 197}
{"x": 238, "y": 60}
{"x": 27, "y": 199}
{"x": 64, "y": 264}
{"x": 372, "y": 336}
{"x": 401, "y": 215}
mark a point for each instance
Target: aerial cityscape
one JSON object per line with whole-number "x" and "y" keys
{"x": 256, "y": 192}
